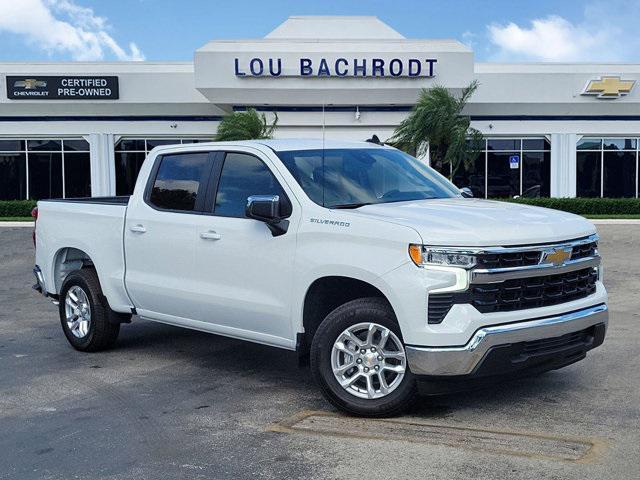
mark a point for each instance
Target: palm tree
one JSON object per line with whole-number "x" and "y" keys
{"x": 436, "y": 123}
{"x": 249, "y": 125}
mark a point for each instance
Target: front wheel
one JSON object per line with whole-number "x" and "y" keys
{"x": 359, "y": 360}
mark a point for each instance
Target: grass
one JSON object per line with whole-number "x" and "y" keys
{"x": 16, "y": 219}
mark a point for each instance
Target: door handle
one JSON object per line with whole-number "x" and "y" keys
{"x": 210, "y": 235}
{"x": 137, "y": 228}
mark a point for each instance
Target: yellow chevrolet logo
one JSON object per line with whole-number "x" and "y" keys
{"x": 556, "y": 256}
{"x": 30, "y": 84}
{"x": 609, "y": 87}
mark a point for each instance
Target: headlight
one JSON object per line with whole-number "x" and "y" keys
{"x": 423, "y": 255}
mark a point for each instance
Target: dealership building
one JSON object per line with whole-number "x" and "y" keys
{"x": 561, "y": 130}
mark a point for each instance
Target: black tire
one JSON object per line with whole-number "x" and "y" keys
{"x": 373, "y": 310}
{"x": 105, "y": 323}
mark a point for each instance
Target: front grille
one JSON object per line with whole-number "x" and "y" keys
{"x": 506, "y": 260}
{"x": 548, "y": 345}
{"x": 525, "y": 259}
{"x": 586, "y": 250}
{"x": 517, "y": 294}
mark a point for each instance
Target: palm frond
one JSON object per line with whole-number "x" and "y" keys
{"x": 247, "y": 125}
{"x": 436, "y": 122}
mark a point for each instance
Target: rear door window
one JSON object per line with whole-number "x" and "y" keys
{"x": 181, "y": 182}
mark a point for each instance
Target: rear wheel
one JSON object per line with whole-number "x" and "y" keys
{"x": 87, "y": 321}
{"x": 359, "y": 361}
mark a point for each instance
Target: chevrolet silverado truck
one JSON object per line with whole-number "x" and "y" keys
{"x": 358, "y": 256}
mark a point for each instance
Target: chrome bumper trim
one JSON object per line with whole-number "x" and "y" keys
{"x": 502, "y": 274}
{"x": 448, "y": 361}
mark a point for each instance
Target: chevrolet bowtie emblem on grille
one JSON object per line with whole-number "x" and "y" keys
{"x": 30, "y": 84}
{"x": 609, "y": 87}
{"x": 556, "y": 256}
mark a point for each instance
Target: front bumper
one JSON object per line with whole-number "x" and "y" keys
{"x": 479, "y": 354}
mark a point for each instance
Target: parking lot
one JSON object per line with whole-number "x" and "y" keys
{"x": 172, "y": 403}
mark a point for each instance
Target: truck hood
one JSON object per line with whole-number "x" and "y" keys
{"x": 480, "y": 223}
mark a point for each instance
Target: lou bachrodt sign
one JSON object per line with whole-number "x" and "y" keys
{"x": 62, "y": 88}
{"x": 339, "y": 67}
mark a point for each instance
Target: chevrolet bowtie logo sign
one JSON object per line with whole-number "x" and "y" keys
{"x": 30, "y": 84}
{"x": 556, "y": 256}
{"x": 609, "y": 87}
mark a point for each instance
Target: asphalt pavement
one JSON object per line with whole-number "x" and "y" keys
{"x": 172, "y": 403}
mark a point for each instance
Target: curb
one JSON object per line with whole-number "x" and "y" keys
{"x": 615, "y": 221}
{"x": 16, "y": 224}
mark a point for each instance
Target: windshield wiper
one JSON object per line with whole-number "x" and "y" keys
{"x": 351, "y": 205}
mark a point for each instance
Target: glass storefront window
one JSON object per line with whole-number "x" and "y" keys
{"x": 503, "y": 180}
{"x": 13, "y": 176}
{"x": 76, "y": 145}
{"x": 45, "y": 175}
{"x": 130, "y": 154}
{"x": 504, "y": 144}
{"x": 588, "y": 174}
{"x": 539, "y": 144}
{"x": 472, "y": 176}
{"x": 128, "y": 164}
{"x": 131, "y": 145}
{"x": 536, "y": 174}
{"x": 77, "y": 174}
{"x": 494, "y": 174}
{"x": 46, "y": 145}
{"x": 619, "y": 174}
{"x": 589, "y": 144}
{"x": 156, "y": 142}
{"x": 40, "y": 168}
{"x": 619, "y": 144}
{"x": 11, "y": 145}
{"x": 607, "y": 167}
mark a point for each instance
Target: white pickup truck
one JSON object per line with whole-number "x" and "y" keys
{"x": 358, "y": 256}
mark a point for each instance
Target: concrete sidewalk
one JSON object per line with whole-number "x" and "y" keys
{"x": 16, "y": 224}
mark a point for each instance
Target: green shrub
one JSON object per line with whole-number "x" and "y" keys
{"x": 16, "y": 208}
{"x": 585, "y": 206}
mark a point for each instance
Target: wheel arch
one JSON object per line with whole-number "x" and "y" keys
{"x": 324, "y": 295}
{"x": 65, "y": 261}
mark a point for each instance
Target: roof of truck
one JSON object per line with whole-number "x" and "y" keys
{"x": 281, "y": 145}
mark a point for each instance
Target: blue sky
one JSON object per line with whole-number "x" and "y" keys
{"x": 161, "y": 30}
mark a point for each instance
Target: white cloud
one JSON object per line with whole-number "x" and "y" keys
{"x": 62, "y": 26}
{"x": 555, "y": 39}
{"x": 470, "y": 39}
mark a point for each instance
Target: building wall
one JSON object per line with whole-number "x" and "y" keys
{"x": 187, "y": 100}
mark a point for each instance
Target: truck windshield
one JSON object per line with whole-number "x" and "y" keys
{"x": 353, "y": 177}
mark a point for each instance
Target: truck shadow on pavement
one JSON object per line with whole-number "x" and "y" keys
{"x": 222, "y": 357}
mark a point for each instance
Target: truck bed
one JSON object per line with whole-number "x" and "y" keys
{"x": 74, "y": 232}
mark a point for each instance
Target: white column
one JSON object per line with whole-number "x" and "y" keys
{"x": 103, "y": 166}
{"x": 563, "y": 164}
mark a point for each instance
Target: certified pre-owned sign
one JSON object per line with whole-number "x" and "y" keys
{"x": 62, "y": 88}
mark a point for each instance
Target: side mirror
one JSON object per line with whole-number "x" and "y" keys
{"x": 266, "y": 208}
{"x": 466, "y": 192}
